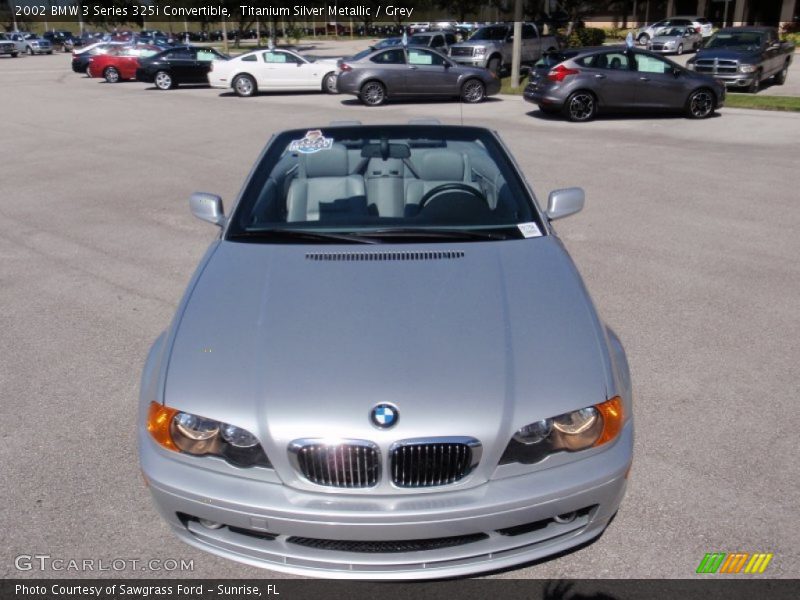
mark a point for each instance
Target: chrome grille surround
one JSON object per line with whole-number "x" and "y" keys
{"x": 462, "y": 51}
{"x": 342, "y": 464}
{"x": 716, "y": 66}
{"x": 430, "y": 462}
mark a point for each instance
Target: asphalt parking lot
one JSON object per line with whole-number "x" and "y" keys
{"x": 688, "y": 244}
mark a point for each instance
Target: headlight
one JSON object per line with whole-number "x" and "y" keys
{"x": 570, "y": 432}
{"x": 747, "y": 68}
{"x": 199, "y": 436}
{"x": 479, "y": 51}
{"x": 690, "y": 66}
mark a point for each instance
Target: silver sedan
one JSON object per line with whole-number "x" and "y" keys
{"x": 675, "y": 40}
{"x": 386, "y": 367}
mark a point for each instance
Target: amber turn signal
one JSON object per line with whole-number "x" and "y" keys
{"x": 159, "y": 420}
{"x": 613, "y": 419}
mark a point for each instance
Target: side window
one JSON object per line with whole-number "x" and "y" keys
{"x": 607, "y": 60}
{"x": 528, "y": 32}
{"x": 390, "y": 57}
{"x": 180, "y": 55}
{"x": 423, "y": 57}
{"x": 651, "y": 64}
{"x": 450, "y": 38}
{"x": 249, "y": 58}
{"x": 438, "y": 41}
{"x": 206, "y": 55}
{"x": 279, "y": 57}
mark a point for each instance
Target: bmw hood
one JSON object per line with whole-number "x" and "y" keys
{"x": 469, "y": 339}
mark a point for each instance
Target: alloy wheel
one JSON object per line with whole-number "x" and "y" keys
{"x": 163, "y": 80}
{"x": 581, "y": 107}
{"x": 373, "y": 94}
{"x": 473, "y": 91}
{"x": 701, "y": 104}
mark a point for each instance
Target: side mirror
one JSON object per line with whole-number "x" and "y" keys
{"x": 207, "y": 207}
{"x": 566, "y": 202}
{"x": 775, "y": 45}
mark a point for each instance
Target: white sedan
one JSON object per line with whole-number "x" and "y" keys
{"x": 273, "y": 70}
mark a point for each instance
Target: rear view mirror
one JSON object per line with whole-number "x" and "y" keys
{"x": 385, "y": 150}
{"x": 566, "y": 202}
{"x": 207, "y": 207}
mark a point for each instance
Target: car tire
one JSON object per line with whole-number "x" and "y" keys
{"x": 581, "y": 106}
{"x": 780, "y": 77}
{"x": 372, "y": 93}
{"x": 50, "y": 52}
{"x": 494, "y": 65}
{"x": 755, "y": 84}
{"x": 473, "y": 91}
{"x": 329, "y": 84}
{"x": 30, "y": 51}
{"x": 163, "y": 80}
{"x": 111, "y": 75}
{"x": 643, "y": 39}
{"x": 14, "y": 54}
{"x": 679, "y": 51}
{"x": 244, "y": 86}
{"x": 701, "y": 104}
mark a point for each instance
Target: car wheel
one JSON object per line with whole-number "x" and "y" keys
{"x": 643, "y": 39}
{"x": 163, "y": 80}
{"x": 111, "y": 75}
{"x": 473, "y": 91}
{"x": 329, "y": 83}
{"x": 700, "y": 104}
{"x": 373, "y": 93}
{"x": 780, "y": 78}
{"x": 580, "y": 106}
{"x": 679, "y": 51}
{"x": 50, "y": 52}
{"x": 754, "y": 85}
{"x": 244, "y": 86}
{"x": 494, "y": 65}
{"x": 30, "y": 51}
{"x": 14, "y": 54}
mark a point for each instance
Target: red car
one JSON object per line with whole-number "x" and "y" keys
{"x": 120, "y": 63}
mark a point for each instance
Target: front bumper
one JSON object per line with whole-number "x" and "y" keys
{"x": 502, "y": 523}
{"x": 41, "y": 49}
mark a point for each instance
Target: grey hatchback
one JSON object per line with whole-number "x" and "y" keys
{"x": 386, "y": 366}
{"x": 591, "y": 80}
{"x": 378, "y": 76}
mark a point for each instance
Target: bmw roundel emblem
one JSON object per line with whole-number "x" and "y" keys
{"x": 384, "y": 416}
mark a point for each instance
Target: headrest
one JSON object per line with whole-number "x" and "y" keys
{"x": 325, "y": 163}
{"x": 442, "y": 165}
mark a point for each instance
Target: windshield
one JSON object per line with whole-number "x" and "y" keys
{"x": 489, "y": 33}
{"x": 403, "y": 183}
{"x": 729, "y": 40}
{"x": 672, "y": 31}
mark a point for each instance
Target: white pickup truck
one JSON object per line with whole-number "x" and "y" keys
{"x": 490, "y": 47}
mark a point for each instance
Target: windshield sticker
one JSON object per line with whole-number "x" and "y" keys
{"x": 314, "y": 141}
{"x": 529, "y": 230}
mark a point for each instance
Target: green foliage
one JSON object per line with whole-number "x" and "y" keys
{"x": 586, "y": 36}
{"x": 792, "y": 37}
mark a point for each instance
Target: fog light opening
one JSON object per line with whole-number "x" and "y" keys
{"x": 210, "y": 524}
{"x": 566, "y": 517}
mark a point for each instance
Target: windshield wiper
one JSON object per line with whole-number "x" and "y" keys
{"x": 300, "y": 235}
{"x": 445, "y": 234}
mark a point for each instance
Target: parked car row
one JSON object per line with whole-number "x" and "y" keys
{"x": 578, "y": 83}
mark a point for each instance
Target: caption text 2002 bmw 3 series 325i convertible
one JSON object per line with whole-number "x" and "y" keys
{"x": 386, "y": 367}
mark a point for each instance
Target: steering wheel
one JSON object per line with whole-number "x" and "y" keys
{"x": 450, "y": 187}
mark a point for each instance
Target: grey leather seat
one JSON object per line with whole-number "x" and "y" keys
{"x": 324, "y": 190}
{"x": 435, "y": 168}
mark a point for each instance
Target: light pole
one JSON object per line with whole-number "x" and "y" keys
{"x": 516, "y": 49}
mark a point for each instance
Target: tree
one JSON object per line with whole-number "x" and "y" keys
{"x": 461, "y": 8}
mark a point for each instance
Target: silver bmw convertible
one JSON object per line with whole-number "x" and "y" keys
{"x": 386, "y": 366}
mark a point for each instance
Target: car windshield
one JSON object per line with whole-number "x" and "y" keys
{"x": 729, "y": 40}
{"x": 368, "y": 184}
{"x": 672, "y": 31}
{"x": 419, "y": 39}
{"x": 489, "y": 34}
